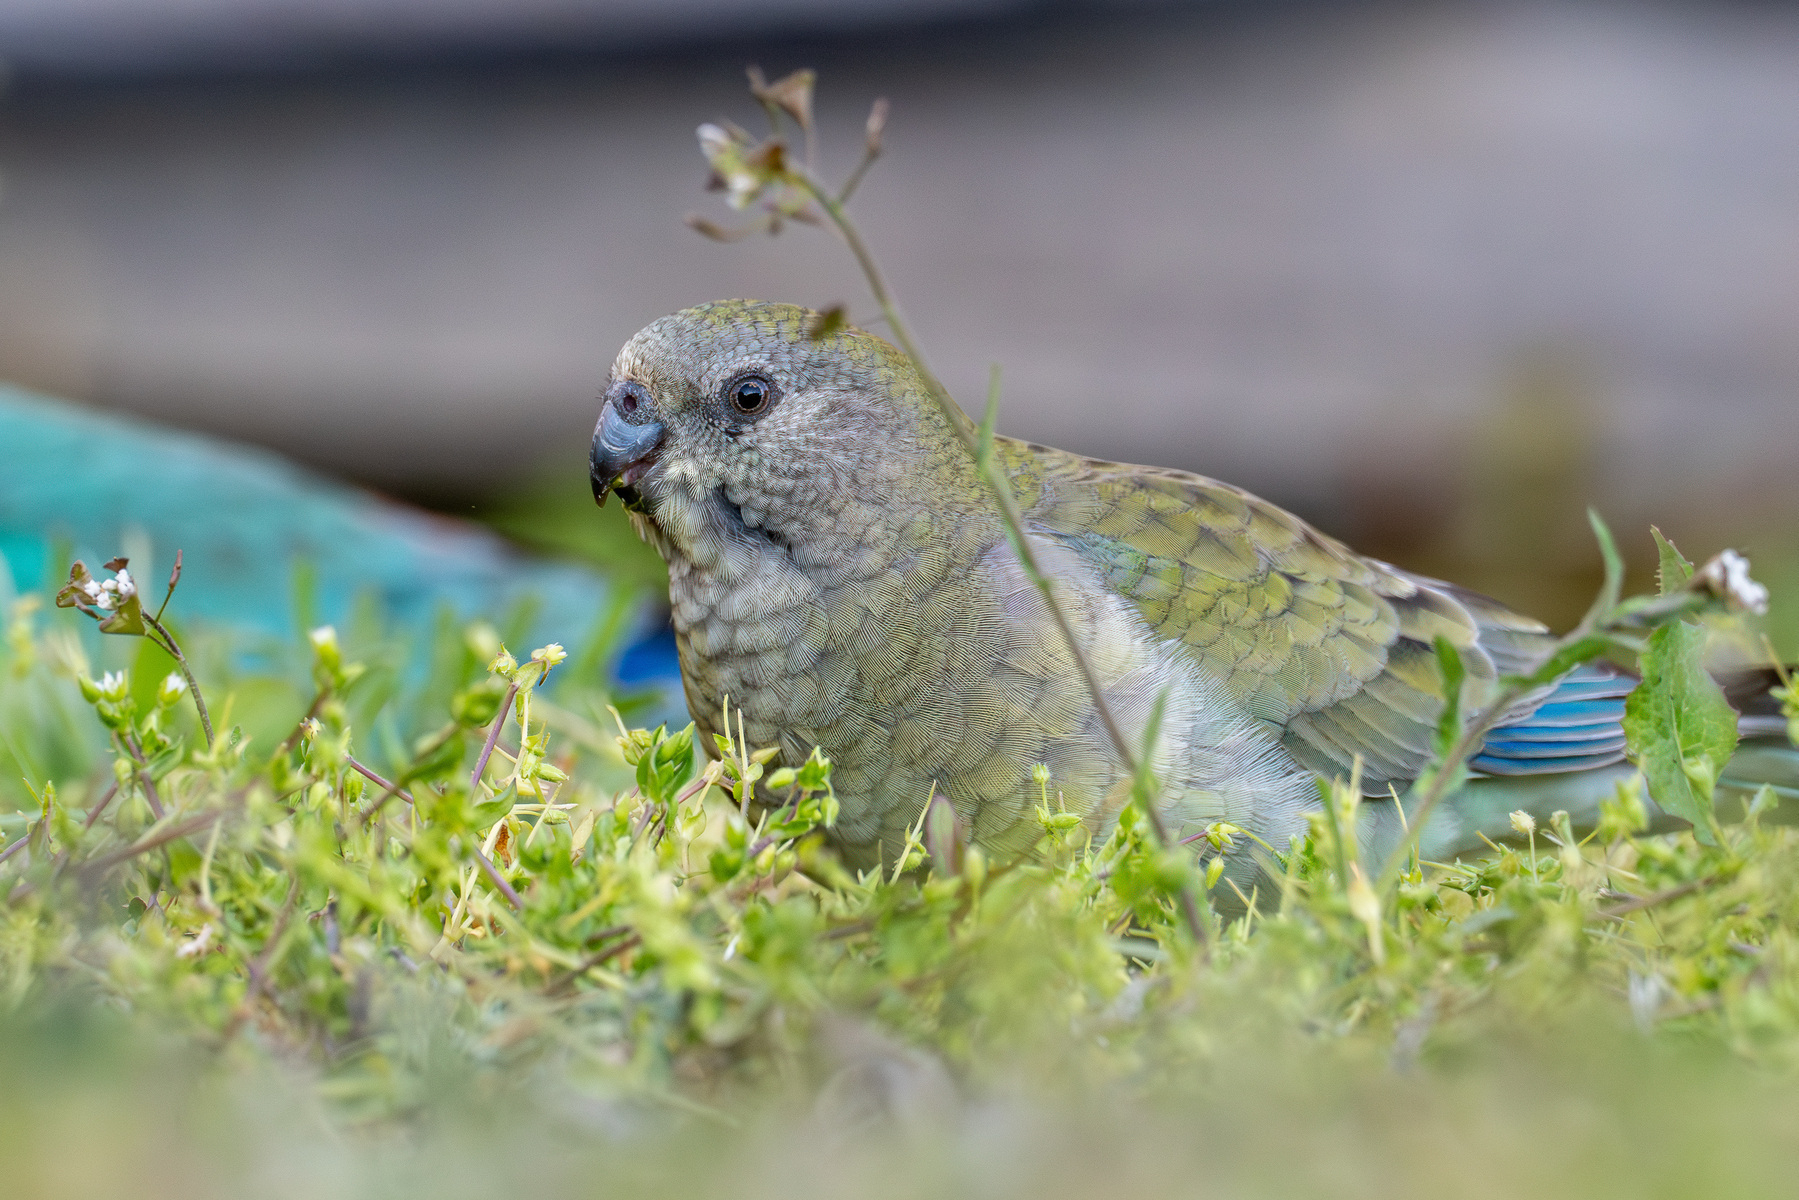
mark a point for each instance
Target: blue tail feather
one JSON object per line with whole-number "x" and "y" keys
{"x": 1579, "y": 726}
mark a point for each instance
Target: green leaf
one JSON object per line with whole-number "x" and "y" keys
{"x": 815, "y": 772}
{"x": 486, "y": 813}
{"x": 1613, "y": 586}
{"x": 1581, "y": 650}
{"x": 435, "y": 762}
{"x": 1674, "y": 569}
{"x": 662, "y": 771}
{"x": 127, "y": 618}
{"x": 477, "y": 705}
{"x": 167, "y": 760}
{"x": 1680, "y": 728}
{"x": 1455, "y": 673}
{"x": 989, "y": 420}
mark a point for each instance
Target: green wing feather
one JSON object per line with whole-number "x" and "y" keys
{"x": 1336, "y": 652}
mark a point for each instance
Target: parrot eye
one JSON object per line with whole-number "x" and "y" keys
{"x": 750, "y": 395}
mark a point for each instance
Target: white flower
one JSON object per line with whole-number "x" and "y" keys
{"x": 198, "y": 944}
{"x": 1523, "y": 822}
{"x": 742, "y": 170}
{"x": 714, "y": 141}
{"x": 1726, "y": 576}
{"x": 172, "y": 688}
{"x": 92, "y": 588}
{"x": 114, "y": 685}
{"x": 104, "y": 601}
{"x": 124, "y": 585}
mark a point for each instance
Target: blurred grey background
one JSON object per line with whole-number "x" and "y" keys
{"x": 1435, "y": 275}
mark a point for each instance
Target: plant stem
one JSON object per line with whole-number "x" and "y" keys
{"x": 1637, "y": 903}
{"x": 193, "y": 685}
{"x": 493, "y": 736}
{"x": 94, "y": 812}
{"x": 178, "y": 830}
{"x": 389, "y": 789}
{"x": 598, "y": 958}
{"x": 292, "y": 739}
{"x": 494, "y": 877}
{"x": 143, "y": 776}
{"x": 1011, "y": 516}
{"x": 1459, "y": 752}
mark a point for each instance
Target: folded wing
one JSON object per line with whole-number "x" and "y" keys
{"x": 1334, "y": 651}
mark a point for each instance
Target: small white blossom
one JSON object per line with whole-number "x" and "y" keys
{"x": 197, "y": 944}
{"x": 104, "y": 601}
{"x": 114, "y": 685}
{"x": 1523, "y": 822}
{"x": 124, "y": 585}
{"x": 1726, "y": 576}
{"x": 714, "y": 141}
{"x": 173, "y": 687}
{"x": 92, "y": 588}
{"x": 741, "y": 169}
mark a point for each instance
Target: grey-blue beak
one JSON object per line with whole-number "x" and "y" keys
{"x": 622, "y": 450}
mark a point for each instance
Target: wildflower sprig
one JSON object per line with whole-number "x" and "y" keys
{"x": 117, "y": 608}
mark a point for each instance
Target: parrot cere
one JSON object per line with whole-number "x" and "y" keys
{"x": 839, "y": 575}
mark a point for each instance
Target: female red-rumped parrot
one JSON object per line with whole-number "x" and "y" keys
{"x": 839, "y": 571}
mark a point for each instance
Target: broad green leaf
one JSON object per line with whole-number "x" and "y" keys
{"x": 1679, "y": 727}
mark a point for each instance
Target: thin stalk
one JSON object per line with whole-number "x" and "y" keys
{"x": 1011, "y": 515}
{"x": 493, "y": 736}
{"x": 389, "y": 789}
{"x": 855, "y": 180}
{"x": 161, "y": 837}
{"x": 1460, "y": 751}
{"x": 193, "y": 685}
{"x": 293, "y": 739}
{"x": 143, "y": 776}
{"x": 93, "y": 814}
{"x": 567, "y": 978}
{"x": 494, "y": 877}
{"x": 1637, "y": 903}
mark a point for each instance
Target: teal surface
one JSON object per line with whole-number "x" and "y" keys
{"x": 251, "y": 525}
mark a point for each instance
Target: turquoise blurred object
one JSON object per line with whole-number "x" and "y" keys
{"x": 90, "y": 485}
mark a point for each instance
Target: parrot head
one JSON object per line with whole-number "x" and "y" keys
{"x": 730, "y": 424}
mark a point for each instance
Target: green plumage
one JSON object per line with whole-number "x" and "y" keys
{"x": 1335, "y": 652}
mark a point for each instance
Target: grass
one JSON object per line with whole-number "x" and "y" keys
{"x": 662, "y": 982}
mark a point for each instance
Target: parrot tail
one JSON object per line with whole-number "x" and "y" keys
{"x": 1482, "y": 809}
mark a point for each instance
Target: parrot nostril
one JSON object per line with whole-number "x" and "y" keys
{"x": 627, "y": 403}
